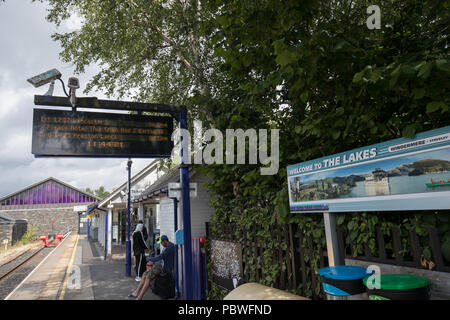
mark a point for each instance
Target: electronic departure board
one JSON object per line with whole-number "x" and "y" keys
{"x": 90, "y": 134}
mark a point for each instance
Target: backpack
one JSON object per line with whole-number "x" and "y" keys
{"x": 164, "y": 285}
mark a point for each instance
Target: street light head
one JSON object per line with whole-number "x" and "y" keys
{"x": 44, "y": 78}
{"x": 129, "y": 163}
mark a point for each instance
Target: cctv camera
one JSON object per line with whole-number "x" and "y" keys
{"x": 74, "y": 83}
{"x": 123, "y": 194}
{"x": 44, "y": 78}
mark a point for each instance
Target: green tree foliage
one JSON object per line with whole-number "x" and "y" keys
{"x": 100, "y": 192}
{"x": 315, "y": 71}
{"x": 310, "y": 68}
{"x": 327, "y": 81}
{"x": 30, "y": 235}
{"x": 147, "y": 50}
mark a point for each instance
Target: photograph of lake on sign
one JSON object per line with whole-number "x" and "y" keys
{"x": 419, "y": 173}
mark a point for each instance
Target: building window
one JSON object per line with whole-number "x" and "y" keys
{"x": 47, "y": 193}
{"x": 56, "y": 193}
{"x": 52, "y": 192}
{"x": 61, "y": 189}
{"x": 41, "y": 195}
{"x": 35, "y": 194}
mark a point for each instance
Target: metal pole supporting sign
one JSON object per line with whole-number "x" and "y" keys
{"x": 128, "y": 242}
{"x": 186, "y": 210}
{"x": 177, "y": 112}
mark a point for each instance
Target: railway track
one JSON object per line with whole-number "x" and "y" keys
{"x": 15, "y": 270}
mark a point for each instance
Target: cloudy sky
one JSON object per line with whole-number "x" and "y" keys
{"x": 26, "y": 50}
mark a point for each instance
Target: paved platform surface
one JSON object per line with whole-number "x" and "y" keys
{"x": 89, "y": 278}
{"x": 100, "y": 280}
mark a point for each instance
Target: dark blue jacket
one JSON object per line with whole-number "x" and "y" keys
{"x": 168, "y": 256}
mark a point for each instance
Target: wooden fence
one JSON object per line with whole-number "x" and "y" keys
{"x": 393, "y": 253}
{"x": 297, "y": 273}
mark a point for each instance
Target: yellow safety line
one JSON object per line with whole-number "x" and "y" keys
{"x": 69, "y": 268}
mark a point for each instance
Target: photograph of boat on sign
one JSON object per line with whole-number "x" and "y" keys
{"x": 439, "y": 183}
{"x": 418, "y": 173}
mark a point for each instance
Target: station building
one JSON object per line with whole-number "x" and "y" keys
{"x": 108, "y": 217}
{"x": 48, "y": 205}
{"x": 157, "y": 193}
{"x": 171, "y": 215}
{"x": 151, "y": 204}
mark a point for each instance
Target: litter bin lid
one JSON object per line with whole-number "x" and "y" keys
{"x": 401, "y": 281}
{"x": 344, "y": 272}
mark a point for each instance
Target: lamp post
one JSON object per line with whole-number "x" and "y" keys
{"x": 128, "y": 242}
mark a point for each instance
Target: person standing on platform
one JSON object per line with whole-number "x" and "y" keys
{"x": 139, "y": 247}
{"x": 144, "y": 231}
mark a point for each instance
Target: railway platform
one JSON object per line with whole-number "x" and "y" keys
{"x": 75, "y": 270}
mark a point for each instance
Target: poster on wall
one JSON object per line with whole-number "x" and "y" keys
{"x": 400, "y": 174}
{"x": 226, "y": 264}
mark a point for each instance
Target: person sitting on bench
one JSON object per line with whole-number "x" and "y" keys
{"x": 155, "y": 270}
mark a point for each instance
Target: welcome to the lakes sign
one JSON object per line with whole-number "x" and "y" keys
{"x": 92, "y": 134}
{"x": 400, "y": 174}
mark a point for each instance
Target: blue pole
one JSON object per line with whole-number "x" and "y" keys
{"x": 186, "y": 210}
{"x": 128, "y": 242}
{"x": 88, "y": 227}
{"x": 175, "y": 227}
{"x": 106, "y": 235}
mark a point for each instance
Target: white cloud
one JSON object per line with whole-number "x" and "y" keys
{"x": 75, "y": 22}
{"x": 27, "y": 50}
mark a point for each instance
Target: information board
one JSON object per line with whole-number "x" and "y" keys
{"x": 401, "y": 174}
{"x": 93, "y": 134}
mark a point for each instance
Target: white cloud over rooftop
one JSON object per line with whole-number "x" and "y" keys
{"x": 27, "y": 50}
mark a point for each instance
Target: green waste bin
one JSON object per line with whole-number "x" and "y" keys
{"x": 400, "y": 287}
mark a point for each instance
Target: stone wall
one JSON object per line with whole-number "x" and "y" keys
{"x": 5, "y": 232}
{"x": 13, "y": 231}
{"x": 65, "y": 219}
